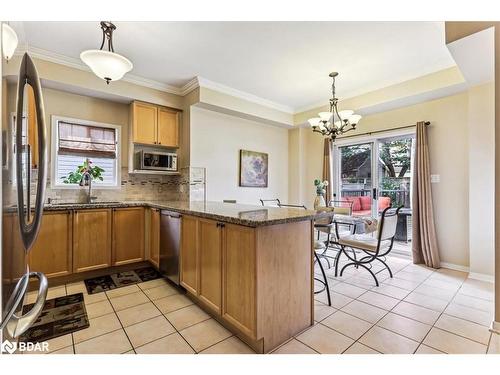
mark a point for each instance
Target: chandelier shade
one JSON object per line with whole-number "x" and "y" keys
{"x": 9, "y": 41}
{"x": 107, "y": 65}
{"x": 334, "y": 122}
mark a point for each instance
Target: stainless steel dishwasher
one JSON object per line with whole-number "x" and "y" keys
{"x": 170, "y": 233}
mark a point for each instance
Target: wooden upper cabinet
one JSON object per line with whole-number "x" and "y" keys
{"x": 53, "y": 249}
{"x": 189, "y": 254}
{"x": 155, "y": 125}
{"x": 91, "y": 239}
{"x": 154, "y": 238}
{"x": 145, "y": 123}
{"x": 210, "y": 262}
{"x": 238, "y": 269}
{"x": 128, "y": 235}
{"x": 168, "y": 127}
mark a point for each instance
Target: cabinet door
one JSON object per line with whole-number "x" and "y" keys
{"x": 239, "y": 305}
{"x": 144, "y": 123}
{"x": 52, "y": 251}
{"x": 154, "y": 238}
{"x": 91, "y": 239}
{"x": 168, "y": 127}
{"x": 189, "y": 254}
{"x": 128, "y": 235}
{"x": 210, "y": 254}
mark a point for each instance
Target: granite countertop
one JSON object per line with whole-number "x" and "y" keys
{"x": 248, "y": 215}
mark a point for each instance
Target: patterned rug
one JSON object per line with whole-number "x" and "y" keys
{"x": 120, "y": 279}
{"x": 60, "y": 316}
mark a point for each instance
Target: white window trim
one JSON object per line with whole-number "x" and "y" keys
{"x": 54, "y": 183}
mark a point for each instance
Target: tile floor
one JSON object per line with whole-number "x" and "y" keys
{"x": 420, "y": 310}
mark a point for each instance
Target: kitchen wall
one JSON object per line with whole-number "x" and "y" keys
{"x": 132, "y": 187}
{"x": 456, "y": 157}
{"x": 216, "y": 140}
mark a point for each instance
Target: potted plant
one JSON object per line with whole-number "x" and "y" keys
{"x": 84, "y": 175}
{"x": 319, "y": 201}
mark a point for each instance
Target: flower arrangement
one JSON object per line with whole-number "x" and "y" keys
{"x": 86, "y": 169}
{"x": 320, "y": 186}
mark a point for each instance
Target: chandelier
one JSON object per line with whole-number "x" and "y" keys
{"x": 334, "y": 122}
{"x": 107, "y": 65}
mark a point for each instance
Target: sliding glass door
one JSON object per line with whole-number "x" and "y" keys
{"x": 373, "y": 173}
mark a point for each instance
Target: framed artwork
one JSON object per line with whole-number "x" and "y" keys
{"x": 253, "y": 168}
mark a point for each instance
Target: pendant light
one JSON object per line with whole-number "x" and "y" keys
{"x": 334, "y": 122}
{"x": 108, "y": 65}
{"x": 9, "y": 41}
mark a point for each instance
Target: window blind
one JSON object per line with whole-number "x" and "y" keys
{"x": 86, "y": 139}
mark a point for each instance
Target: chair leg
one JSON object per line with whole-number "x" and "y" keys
{"x": 386, "y": 266}
{"x": 360, "y": 265}
{"x": 324, "y": 278}
{"x": 337, "y": 259}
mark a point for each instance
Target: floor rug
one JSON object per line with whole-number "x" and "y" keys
{"x": 120, "y": 279}
{"x": 60, "y": 316}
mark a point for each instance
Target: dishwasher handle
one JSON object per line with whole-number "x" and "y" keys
{"x": 173, "y": 215}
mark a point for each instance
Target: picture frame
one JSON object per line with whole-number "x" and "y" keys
{"x": 254, "y": 167}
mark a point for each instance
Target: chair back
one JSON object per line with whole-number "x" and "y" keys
{"x": 292, "y": 206}
{"x": 270, "y": 202}
{"x": 341, "y": 207}
{"x": 388, "y": 224}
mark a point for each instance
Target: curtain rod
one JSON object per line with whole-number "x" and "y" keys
{"x": 383, "y": 131}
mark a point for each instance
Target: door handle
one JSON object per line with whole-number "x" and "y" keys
{"x": 28, "y": 75}
{"x": 374, "y": 192}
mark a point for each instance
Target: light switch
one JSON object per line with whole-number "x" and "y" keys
{"x": 435, "y": 178}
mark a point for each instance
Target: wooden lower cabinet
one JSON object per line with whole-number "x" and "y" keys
{"x": 92, "y": 239}
{"x": 189, "y": 254}
{"x": 128, "y": 235}
{"x": 154, "y": 237}
{"x": 210, "y": 263}
{"x": 52, "y": 251}
{"x": 238, "y": 274}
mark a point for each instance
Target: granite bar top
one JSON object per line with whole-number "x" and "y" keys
{"x": 248, "y": 215}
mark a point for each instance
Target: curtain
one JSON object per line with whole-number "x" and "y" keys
{"x": 327, "y": 168}
{"x": 424, "y": 242}
{"x": 86, "y": 139}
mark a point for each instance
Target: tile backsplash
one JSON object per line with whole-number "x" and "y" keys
{"x": 132, "y": 187}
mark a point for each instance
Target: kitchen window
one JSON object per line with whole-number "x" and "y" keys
{"x": 75, "y": 140}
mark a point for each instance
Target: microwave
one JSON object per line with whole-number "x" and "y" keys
{"x": 157, "y": 161}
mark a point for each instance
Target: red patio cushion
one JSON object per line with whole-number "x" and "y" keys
{"x": 356, "y": 203}
{"x": 366, "y": 203}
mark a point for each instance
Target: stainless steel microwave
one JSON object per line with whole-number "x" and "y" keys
{"x": 158, "y": 161}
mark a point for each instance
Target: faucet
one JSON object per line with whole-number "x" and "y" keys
{"x": 87, "y": 181}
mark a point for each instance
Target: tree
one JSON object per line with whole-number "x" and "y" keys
{"x": 396, "y": 154}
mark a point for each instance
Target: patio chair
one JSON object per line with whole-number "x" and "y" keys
{"x": 374, "y": 247}
{"x": 270, "y": 202}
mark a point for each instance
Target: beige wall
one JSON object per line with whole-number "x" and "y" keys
{"x": 81, "y": 107}
{"x": 216, "y": 140}
{"x": 449, "y": 152}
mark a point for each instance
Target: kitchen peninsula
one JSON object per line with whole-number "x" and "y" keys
{"x": 250, "y": 267}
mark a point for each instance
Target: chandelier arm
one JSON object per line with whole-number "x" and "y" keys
{"x": 103, "y": 38}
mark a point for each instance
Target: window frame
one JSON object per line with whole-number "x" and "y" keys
{"x": 54, "y": 183}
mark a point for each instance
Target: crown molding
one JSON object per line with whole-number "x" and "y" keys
{"x": 71, "y": 62}
{"x": 203, "y": 82}
{"x": 193, "y": 84}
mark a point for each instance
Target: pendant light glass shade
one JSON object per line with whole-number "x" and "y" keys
{"x": 9, "y": 41}
{"x": 107, "y": 65}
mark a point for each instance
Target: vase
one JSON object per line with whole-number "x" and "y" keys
{"x": 319, "y": 201}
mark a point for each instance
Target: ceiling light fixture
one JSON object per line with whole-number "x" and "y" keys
{"x": 9, "y": 41}
{"x": 107, "y": 65}
{"x": 334, "y": 122}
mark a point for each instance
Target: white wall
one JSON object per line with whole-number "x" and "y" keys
{"x": 216, "y": 140}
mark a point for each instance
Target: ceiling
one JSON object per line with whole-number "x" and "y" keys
{"x": 286, "y": 63}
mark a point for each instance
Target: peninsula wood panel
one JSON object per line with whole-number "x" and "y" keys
{"x": 168, "y": 127}
{"x": 239, "y": 282}
{"x": 210, "y": 267}
{"x": 128, "y": 235}
{"x": 284, "y": 280}
{"x": 154, "y": 237}
{"x": 189, "y": 254}
{"x": 91, "y": 239}
{"x": 144, "y": 123}
{"x": 52, "y": 251}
